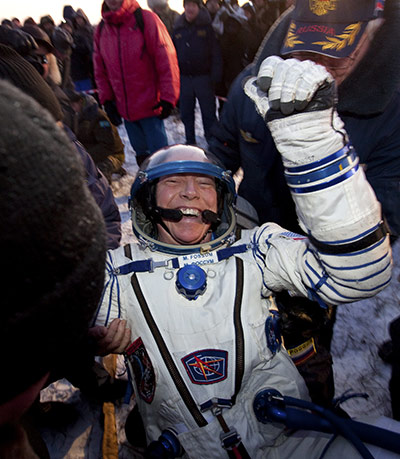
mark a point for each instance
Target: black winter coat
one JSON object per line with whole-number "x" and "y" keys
{"x": 197, "y": 47}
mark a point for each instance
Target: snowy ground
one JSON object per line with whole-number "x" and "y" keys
{"x": 360, "y": 328}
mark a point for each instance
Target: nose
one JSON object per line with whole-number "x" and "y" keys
{"x": 190, "y": 190}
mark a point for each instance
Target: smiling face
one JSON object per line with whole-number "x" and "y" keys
{"x": 192, "y": 194}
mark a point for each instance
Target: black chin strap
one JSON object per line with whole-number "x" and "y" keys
{"x": 176, "y": 215}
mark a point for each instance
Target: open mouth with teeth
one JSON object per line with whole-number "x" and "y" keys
{"x": 176, "y": 215}
{"x": 190, "y": 212}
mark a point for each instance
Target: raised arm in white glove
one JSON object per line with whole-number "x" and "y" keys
{"x": 297, "y": 101}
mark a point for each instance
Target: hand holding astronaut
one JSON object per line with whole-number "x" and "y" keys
{"x": 296, "y": 99}
{"x": 111, "y": 340}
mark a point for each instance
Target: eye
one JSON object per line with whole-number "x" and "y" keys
{"x": 206, "y": 182}
{"x": 172, "y": 180}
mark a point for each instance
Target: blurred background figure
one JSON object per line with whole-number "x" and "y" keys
{"x": 213, "y": 7}
{"x": 47, "y": 24}
{"x": 167, "y": 15}
{"x": 29, "y": 21}
{"x": 81, "y": 31}
{"x": 16, "y": 23}
{"x": 97, "y": 134}
{"x": 200, "y": 65}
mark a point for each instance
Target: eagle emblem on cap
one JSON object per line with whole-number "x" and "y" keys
{"x": 321, "y": 7}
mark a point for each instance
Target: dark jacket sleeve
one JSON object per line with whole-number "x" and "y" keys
{"x": 224, "y": 142}
{"x": 102, "y": 193}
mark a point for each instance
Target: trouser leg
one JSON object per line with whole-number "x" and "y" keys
{"x": 205, "y": 94}
{"x": 155, "y": 134}
{"x": 137, "y": 138}
{"x": 187, "y": 103}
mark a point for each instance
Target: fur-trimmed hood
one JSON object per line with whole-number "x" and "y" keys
{"x": 370, "y": 87}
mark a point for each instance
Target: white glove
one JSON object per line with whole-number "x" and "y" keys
{"x": 296, "y": 100}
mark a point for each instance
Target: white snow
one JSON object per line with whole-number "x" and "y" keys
{"x": 360, "y": 328}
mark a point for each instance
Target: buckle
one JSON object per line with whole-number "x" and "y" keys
{"x": 230, "y": 439}
{"x": 215, "y": 405}
{"x": 157, "y": 264}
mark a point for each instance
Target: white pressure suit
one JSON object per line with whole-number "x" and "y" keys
{"x": 197, "y": 355}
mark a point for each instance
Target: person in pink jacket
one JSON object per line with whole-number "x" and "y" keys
{"x": 136, "y": 73}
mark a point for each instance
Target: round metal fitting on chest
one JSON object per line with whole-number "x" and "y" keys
{"x": 191, "y": 281}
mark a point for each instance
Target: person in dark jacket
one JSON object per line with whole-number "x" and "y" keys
{"x": 369, "y": 105}
{"x": 238, "y": 46}
{"x": 82, "y": 52}
{"x": 97, "y": 134}
{"x": 200, "y": 65}
{"x": 167, "y": 15}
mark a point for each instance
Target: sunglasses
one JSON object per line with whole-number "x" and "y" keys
{"x": 43, "y": 59}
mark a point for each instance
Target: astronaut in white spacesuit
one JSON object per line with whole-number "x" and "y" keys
{"x": 197, "y": 296}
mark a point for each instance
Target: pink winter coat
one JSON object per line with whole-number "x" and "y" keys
{"x": 135, "y": 70}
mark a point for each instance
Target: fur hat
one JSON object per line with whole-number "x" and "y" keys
{"x": 22, "y": 74}
{"x": 52, "y": 241}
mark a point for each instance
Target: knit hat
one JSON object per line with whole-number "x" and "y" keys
{"x": 52, "y": 242}
{"x": 329, "y": 27}
{"x": 22, "y": 74}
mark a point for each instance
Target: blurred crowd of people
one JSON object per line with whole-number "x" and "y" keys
{"x": 63, "y": 56}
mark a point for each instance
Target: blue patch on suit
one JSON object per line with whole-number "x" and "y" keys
{"x": 143, "y": 370}
{"x": 207, "y": 366}
{"x": 104, "y": 124}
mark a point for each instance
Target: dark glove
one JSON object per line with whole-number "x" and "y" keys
{"x": 112, "y": 112}
{"x": 166, "y": 109}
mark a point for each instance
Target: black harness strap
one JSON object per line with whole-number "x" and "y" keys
{"x": 238, "y": 328}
